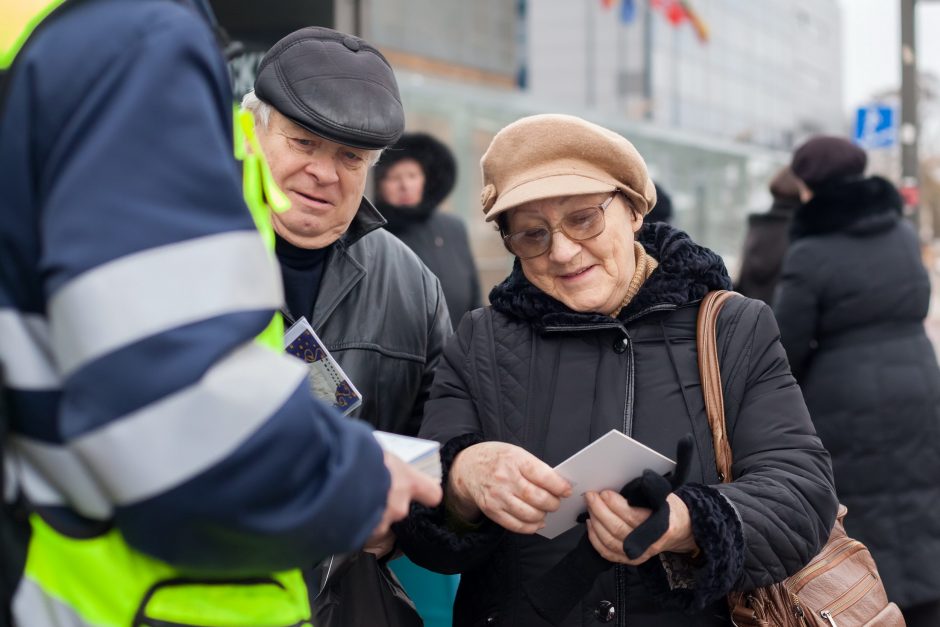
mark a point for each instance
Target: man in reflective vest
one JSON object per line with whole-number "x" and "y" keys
{"x": 176, "y": 470}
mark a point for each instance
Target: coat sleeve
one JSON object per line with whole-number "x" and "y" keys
{"x": 210, "y": 448}
{"x": 783, "y": 487}
{"x": 796, "y": 306}
{"x": 432, "y": 537}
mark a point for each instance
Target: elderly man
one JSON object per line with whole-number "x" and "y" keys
{"x": 326, "y": 104}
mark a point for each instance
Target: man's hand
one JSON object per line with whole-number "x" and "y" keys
{"x": 512, "y": 487}
{"x": 407, "y": 485}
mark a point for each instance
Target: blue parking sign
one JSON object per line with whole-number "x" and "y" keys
{"x": 875, "y": 126}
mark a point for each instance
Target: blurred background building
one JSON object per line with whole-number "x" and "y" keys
{"x": 714, "y": 93}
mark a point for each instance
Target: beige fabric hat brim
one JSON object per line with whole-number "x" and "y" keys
{"x": 555, "y": 155}
{"x": 548, "y": 187}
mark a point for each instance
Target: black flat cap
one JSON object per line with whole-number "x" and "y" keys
{"x": 335, "y": 85}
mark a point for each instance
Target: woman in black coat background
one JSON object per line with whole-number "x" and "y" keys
{"x": 851, "y": 306}
{"x": 412, "y": 179}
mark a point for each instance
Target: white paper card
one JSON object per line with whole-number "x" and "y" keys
{"x": 608, "y": 463}
{"x": 423, "y": 455}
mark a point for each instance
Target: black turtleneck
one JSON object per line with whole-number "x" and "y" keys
{"x": 301, "y": 270}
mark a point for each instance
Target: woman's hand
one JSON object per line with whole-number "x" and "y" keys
{"x": 512, "y": 487}
{"x": 613, "y": 518}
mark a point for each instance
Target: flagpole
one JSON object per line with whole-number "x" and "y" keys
{"x": 648, "y": 61}
{"x": 589, "y": 54}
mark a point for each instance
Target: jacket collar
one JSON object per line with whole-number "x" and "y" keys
{"x": 685, "y": 274}
{"x": 866, "y": 206}
{"x": 366, "y": 220}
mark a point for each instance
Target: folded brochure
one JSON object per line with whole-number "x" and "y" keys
{"x": 327, "y": 380}
{"x": 423, "y": 455}
{"x": 608, "y": 463}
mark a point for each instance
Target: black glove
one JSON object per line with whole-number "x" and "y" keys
{"x": 555, "y": 593}
{"x": 650, "y": 490}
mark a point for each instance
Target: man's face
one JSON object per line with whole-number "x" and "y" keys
{"x": 324, "y": 181}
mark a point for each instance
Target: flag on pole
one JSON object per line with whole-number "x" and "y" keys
{"x": 678, "y": 11}
{"x": 698, "y": 24}
{"x": 627, "y": 11}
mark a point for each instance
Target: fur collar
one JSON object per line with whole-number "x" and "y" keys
{"x": 685, "y": 274}
{"x": 859, "y": 207}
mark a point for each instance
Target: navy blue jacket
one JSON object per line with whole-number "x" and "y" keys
{"x": 132, "y": 286}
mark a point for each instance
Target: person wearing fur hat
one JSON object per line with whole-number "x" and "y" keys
{"x": 412, "y": 179}
{"x": 594, "y": 330}
{"x": 851, "y": 305}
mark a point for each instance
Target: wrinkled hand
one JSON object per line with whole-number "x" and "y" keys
{"x": 407, "y": 484}
{"x": 613, "y": 519}
{"x": 512, "y": 487}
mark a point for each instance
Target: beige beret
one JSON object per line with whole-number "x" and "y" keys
{"x": 552, "y": 155}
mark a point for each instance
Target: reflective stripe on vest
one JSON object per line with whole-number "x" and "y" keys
{"x": 18, "y": 20}
{"x": 102, "y": 581}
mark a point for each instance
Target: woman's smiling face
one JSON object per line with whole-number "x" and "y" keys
{"x": 587, "y": 276}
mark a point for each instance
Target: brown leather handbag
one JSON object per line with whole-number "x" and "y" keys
{"x": 840, "y": 586}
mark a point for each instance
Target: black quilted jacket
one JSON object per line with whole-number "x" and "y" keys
{"x": 531, "y": 372}
{"x": 851, "y": 306}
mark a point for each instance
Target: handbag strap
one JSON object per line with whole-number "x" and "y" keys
{"x": 710, "y": 374}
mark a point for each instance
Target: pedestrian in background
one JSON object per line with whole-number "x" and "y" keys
{"x": 594, "y": 330}
{"x": 412, "y": 179}
{"x": 662, "y": 212}
{"x": 851, "y": 305}
{"x": 767, "y": 239}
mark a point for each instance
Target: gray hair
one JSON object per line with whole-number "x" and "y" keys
{"x": 262, "y": 112}
{"x": 260, "y": 109}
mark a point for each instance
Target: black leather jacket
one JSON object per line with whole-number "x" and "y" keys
{"x": 382, "y": 315}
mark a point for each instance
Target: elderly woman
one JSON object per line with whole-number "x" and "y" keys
{"x": 594, "y": 330}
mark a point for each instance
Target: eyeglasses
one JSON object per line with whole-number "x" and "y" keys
{"x": 579, "y": 225}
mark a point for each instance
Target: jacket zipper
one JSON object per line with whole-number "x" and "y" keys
{"x": 627, "y": 419}
{"x": 839, "y": 553}
{"x": 627, "y": 430}
{"x": 853, "y": 594}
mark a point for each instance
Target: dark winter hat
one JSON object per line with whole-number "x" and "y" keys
{"x": 827, "y": 159}
{"x": 335, "y": 85}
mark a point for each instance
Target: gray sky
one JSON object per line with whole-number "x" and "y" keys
{"x": 871, "y": 39}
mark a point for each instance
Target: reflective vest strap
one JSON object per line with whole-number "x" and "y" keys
{"x": 262, "y": 195}
{"x": 101, "y": 582}
{"x": 100, "y": 579}
{"x": 18, "y": 20}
